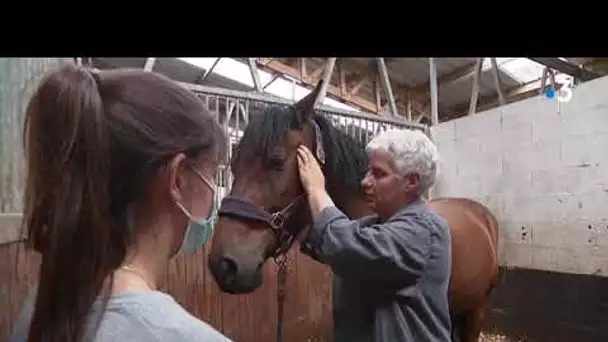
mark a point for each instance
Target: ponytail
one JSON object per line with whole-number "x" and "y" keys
{"x": 67, "y": 204}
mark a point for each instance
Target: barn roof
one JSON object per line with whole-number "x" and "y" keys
{"x": 357, "y": 83}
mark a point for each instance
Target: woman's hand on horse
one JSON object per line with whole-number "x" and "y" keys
{"x": 311, "y": 176}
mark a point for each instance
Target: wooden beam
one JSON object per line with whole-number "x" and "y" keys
{"x": 408, "y": 106}
{"x": 567, "y": 68}
{"x": 377, "y": 99}
{"x": 316, "y": 73}
{"x": 358, "y": 77}
{"x": 327, "y": 72}
{"x": 302, "y": 65}
{"x": 342, "y": 78}
{"x": 513, "y": 94}
{"x": 290, "y": 71}
{"x": 458, "y": 75}
{"x": 366, "y": 76}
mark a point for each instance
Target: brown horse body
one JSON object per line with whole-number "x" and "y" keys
{"x": 474, "y": 233}
{"x": 266, "y": 180}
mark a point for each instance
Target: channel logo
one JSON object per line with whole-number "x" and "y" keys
{"x": 563, "y": 94}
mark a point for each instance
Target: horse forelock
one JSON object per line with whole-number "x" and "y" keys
{"x": 346, "y": 160}
{"x": 264, "y": 130}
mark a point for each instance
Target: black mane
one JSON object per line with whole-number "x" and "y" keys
{"x": 345, "y": 163}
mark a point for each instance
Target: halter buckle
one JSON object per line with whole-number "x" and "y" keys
{"x": 277, "y": 220}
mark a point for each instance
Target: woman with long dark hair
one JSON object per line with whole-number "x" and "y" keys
{"x": 120, "y": 178}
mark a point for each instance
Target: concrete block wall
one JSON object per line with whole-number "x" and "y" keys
{"x": 542, "y": 167}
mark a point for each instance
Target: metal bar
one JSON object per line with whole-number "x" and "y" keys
{"x": 253, "y": 68}
{"x": 268, "y": 98}
{"x": 567, "y": 68}
{"x": 497, "y": 83}
{"x": 543, "y": 81}
{"x": 329, "y": 68}
{"x": 408, "y": 106}
{"x": 386, "y": 84}
{"x": 150, "y": 61}
{"x": 433, "y": 89}
{"x": 208, "y": 72}
{"x": 274, "y": 78}
{"x": 475, "y": 91}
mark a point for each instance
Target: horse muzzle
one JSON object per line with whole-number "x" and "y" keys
{"x": 236, "y": 277}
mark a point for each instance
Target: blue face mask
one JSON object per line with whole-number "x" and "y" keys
{"x": 199, "y": 229}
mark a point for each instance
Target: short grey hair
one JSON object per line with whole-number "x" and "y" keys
{"x": 411, "y": 151}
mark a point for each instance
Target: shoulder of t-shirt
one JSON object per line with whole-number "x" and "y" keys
{"x": 160, "y": 312}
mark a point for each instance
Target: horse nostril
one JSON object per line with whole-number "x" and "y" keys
{"x": 228, "y": 270}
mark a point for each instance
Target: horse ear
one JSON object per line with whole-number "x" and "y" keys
{"x": 305, "y": 107}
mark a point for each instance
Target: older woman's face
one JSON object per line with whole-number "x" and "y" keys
{"x": 385, "y": 190}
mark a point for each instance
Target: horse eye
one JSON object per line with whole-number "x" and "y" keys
{"x": 276, "y": 162}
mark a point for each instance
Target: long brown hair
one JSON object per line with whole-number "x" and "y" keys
{"x": 94, "y": 140}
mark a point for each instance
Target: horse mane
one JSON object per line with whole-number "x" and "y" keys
{"x": 346, "y": 161}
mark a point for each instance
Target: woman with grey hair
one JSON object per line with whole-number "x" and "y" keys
{"x": 391, "y": 269}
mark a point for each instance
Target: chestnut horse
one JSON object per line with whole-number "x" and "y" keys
{"x": 265, "y": 209}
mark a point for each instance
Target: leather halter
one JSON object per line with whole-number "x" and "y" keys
{"x": 244, "y": 210}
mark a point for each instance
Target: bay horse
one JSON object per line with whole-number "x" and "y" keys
{"x": 266, "y": 208}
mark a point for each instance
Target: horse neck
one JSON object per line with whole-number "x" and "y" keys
{"x": 349, "y": 201}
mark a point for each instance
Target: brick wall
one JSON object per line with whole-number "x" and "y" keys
{"x": 542, "y": 168}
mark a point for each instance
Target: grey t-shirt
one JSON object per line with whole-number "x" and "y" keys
{"x": 138, "y": 317}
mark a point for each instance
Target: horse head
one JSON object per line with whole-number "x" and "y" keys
{"x": 266, "y": 207}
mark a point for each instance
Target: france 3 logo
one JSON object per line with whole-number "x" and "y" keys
{"x": 563, "y": 94}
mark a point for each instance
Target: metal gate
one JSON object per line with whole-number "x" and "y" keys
{"x": 252, "y": 318}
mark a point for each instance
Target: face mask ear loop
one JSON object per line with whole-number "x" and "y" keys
{"x": 210, "y": 184}
{"x": 183, "y": 209}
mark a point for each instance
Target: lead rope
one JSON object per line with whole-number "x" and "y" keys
{"x": 281, "y": 261}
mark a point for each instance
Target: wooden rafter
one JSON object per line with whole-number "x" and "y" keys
{"x": 458, "y": 75}
{"x": 278, "y": 66}
{"x": 412, "y": 102}
{"x": 513, "y": 94}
